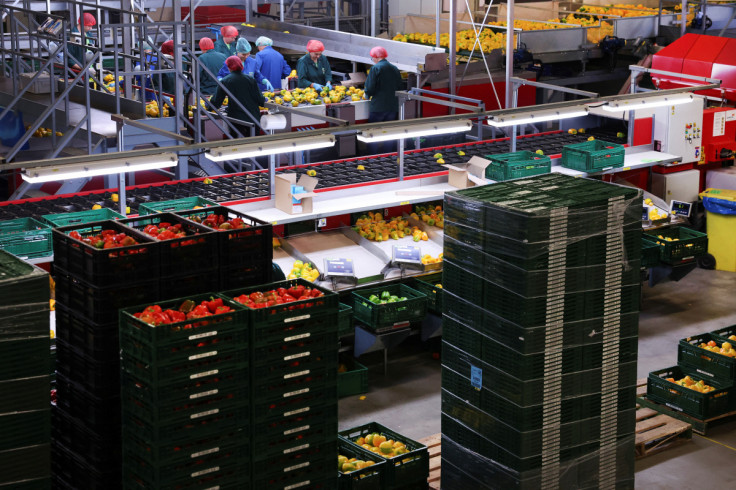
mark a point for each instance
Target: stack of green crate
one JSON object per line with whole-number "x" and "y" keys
{"x": 293, "y": 386}
{"x": 540, "y": 328}
{"x": 25, "y": 419}
{"x": 185, "y": 396}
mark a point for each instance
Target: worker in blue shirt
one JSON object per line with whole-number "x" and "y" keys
{"x": 384, "y": 79}
{"x": 225, "y": 44}
{"x": 270, "y": 63}
{"x": 213, "y": 61}
{"x": 245, "y": 89}
{"x": 313, "y": 69}
{"x": 249, "y": 64}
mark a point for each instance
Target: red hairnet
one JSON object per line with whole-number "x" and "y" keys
{"x": 234, "y": 64}
{"x": 89, "y": 19}
{"x": 378, "y": 52}
{"x": 206, "y": 43}
{"x": 168, "y": 47}
{"x": 229, "y": 31}
{"x": 314, "y": 46}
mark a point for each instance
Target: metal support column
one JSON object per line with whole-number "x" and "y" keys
{"x": 509, "y": 50}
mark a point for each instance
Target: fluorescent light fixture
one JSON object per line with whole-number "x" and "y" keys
{"x": 104, "y": 167}
{"x": 631, "y": 105}
{"x": 414, "y": 131}
{"x": 526, "y": 118}
{"x": 250, "y": 150}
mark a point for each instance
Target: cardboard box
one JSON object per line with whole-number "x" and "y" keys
{"x": 356, "y": 79}
{"x": 291, "y": 200}
{"x": 468, "y": 174}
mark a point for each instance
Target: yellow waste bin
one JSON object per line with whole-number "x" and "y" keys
{"x": 720, "y": 207}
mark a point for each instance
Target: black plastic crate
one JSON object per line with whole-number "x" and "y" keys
{"x": 70, "y": 470}
{"x": 27, "y": 393}
{"x": 195, "y": 252}
{"x": 403, "y": 470}
{"x": 105, "y": 267}
{"x": 43, "y": 483}
{"x": 389, "y": 315}
{"x": 20, "y": 284}
{"x": 25, "y": 463}
{"x": 345, "y": 320}
{"x": 99, "y": 377}
{"x": 700, "y": 405}
{"x": 685, "y": 244}
{"x": 99, "y": 342}
{"x": 294, "y": 384}
{"x": 293, "y": 425}
{"x": 524, "y": 443}
{"x": 295, "y": 349}
{"x": 710, "y": 365}
{"x": 81, "y": 404}
{"x": 22, "y": 429}
{"x": 176, "y": 286}
{"x": 155, "y": 453}
{"x": 531, "y": 392}
{"x": 311, "y": 467}
{"x": 317, "y": 434}
{"x": 25, "y": 357}
{"x": 431, "y": 286}
{"x": 267, "y": 411}
{"x": 352, "y": 381}
{"x": 368, "y": 478}
{"x": 726, "y": 333}
{"x": 98, "y": 446}
{"x": 100, "y": 305}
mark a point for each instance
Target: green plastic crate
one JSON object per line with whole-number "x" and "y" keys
{"x": 401, "y": 471}
{"x": 689, "y": 243}
{"x": 174, "y": 205}
{"x": 22, "y": 287}
{"x": 344, "y": 320}
{"x": 390, "y": 315}
{"x": 710, "y": 365}
{"x": 702, "y": 406}
{"x": 723, "y": 334}
{"x": 354, "y": 381}
{"x": 25, "y": 237}
{"x": 506, "y": 166}
{"x": 427, "y": 285}
{"x": 649, "y": 253}
{"x": 80, "y": 217}
{"x": 593, "y": 156}
{"x": 369, "y": 478}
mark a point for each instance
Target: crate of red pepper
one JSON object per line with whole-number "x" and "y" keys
{"x": 184, "y": 247}
{"x": 104, "y": 253}
{"x": 285, "y": 302}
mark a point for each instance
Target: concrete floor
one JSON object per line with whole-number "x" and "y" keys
{"x": 408, "y": 398}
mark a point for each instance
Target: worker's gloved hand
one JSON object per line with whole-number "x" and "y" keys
{"x": 317, "y": 87}
{"x": 219, "y": 79}
{"x": 268, "y": 85}
{"x": 329, "y": 86}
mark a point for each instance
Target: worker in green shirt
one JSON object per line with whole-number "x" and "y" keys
{"x": 313, "y": 69}
{"x": 79, "y": 39}
{"x": 213, "y": 61}
{"x": 225, "y": 44}
{"x": 384, "y": 79}
{"x": 245, "y": 89}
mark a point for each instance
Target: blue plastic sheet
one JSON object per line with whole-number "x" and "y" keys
{"x": 11, "y": 128}
{"x": 719, "y": 206}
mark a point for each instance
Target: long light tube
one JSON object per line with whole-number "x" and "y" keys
{"x": 631, "y": 105}
{"x": 106, "y": 167}
{"x": 268, "y": 148}
{"x": 414, "y": 131}
{"x": 514, "y": 120}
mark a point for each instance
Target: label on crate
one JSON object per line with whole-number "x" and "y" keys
{"x": 297, "y": 318}
{"x": 294, "y": 431}
{"x": 204, "y": 393}
{"x": 339, "y": 267}
{"x": 298, "y": 485}
{"x": 296, "y": 467}
{"x": 205, "y": 452}
{"x": 476, "y": 377}
{"x": 296, "y": 356}
{"x": 203, "y": 335}
{"x": 295, "y": 412}
{"x": 294, "y": 375}
{"x": 297, "y": 448}
{"x": 204, "y": 472}
{"x": 297, "y": 337}
{"x": 407, "y": 253}
{"x": 213, "y": 488}
{"x": 203, "y": 374}
{"x": 706, "y": 373}
{"x": 204, "y": 414}
{"x": 297, "y": 392}
{"x": 675, "y": 407}
{"x": 202, "y": 355}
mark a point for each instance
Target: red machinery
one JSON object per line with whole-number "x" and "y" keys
{"x": 719, "y": 139}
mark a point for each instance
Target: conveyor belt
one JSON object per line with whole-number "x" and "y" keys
{"x": 254, "y": 185}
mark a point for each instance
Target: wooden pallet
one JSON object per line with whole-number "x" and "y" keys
{"x": 656, "y": 432}
{"x": 434, "y": 448}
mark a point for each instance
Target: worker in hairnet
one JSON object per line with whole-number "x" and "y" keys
{"x": 245, "y": 89}
{"x": 213, "y": 61}
{"x": 225, "y": 44}
{"x": 144, "y": 81}
{"x": 165, "y": 82}
{"x": 270, "y": 63}
{"x": 384, "y": 79}
{"x": 249, "y": 64}
{"x": 79, "y": 39}
{"x": 313, "y": 69}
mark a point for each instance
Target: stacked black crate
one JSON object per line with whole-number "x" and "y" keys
{"x": 293, "y": 382}
{"x": 540, "y": 325}
{"x": 185, "y": 394}
{"x": 93, "y": 280}
{"x": 25, "y": 420}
